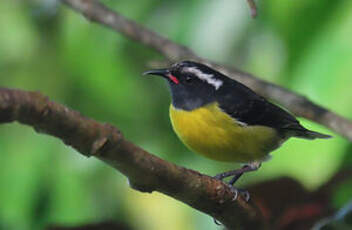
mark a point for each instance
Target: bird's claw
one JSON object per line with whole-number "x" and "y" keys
{"x": 242, "y": 192}
{"x": 216, "y": 221}
{"x": 235, "y": 192}
{"x": 245, "y": 194}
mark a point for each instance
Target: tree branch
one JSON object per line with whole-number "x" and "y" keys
{"x": 297, "y": 104}
{"x": 253, "y": 8}
{"x": 145, "y": 171}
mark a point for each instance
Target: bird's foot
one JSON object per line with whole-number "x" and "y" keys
{"x": 235, "y": 192}
{"x": 238, "y": 191}
{"x": 216, "y": 221}
{"x": 245, "y": 194}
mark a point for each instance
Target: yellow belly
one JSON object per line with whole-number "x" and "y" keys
{"x": 214, "y": 134}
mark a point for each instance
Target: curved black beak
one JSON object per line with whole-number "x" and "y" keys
{"x": 159, "y": 72}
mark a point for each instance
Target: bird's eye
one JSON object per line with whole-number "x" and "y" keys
{"x": 189, "y": 79}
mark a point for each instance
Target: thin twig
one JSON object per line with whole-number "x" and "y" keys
{"x": 297, "y": 104}
{"x": 253, "y": 8}
{"x": 144, "y": 171}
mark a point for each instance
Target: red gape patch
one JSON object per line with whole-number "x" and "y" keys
{"x": 174, "y": 79}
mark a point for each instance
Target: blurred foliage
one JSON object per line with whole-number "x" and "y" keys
{"x": 303, "y": 45}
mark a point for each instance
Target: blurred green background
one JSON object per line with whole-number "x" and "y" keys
{"x": 304, "y": 45}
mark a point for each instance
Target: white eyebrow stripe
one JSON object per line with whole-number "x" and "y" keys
{"x": 205, "y": 77}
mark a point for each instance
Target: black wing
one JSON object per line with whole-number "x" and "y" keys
{"x": 246, "y": 106}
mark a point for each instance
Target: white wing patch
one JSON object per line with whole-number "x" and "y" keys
{"x": 205, "y": 77}
{"x": 240, "y": 123}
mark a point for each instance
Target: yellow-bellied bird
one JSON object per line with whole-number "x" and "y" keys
{"x": 224, "y": 120}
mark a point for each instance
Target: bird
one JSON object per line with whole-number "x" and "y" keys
{"x": 224, "y": 120}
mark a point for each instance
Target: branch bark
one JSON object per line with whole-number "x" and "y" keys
{"x": 253, "y": 8}
{"x": 299, "y": 105}
{"x": 144, "y": 171}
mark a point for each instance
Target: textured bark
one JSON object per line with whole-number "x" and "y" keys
{"x": 144, "y": 171}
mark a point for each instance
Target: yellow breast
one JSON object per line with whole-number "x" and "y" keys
{"x": 216, "y": 135}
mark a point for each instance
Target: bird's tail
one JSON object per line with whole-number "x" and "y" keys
{"x": 308, "y": 134}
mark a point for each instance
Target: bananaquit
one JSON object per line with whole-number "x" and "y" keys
{"x": 224, "y": 120}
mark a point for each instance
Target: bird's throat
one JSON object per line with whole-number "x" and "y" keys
{"x": 187, "y": 100}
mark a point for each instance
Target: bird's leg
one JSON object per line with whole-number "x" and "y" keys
{"x": 236, "y": 175}
{"x": 235, "y": 178}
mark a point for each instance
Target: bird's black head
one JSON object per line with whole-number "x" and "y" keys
{"x": 192, "y": 84}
